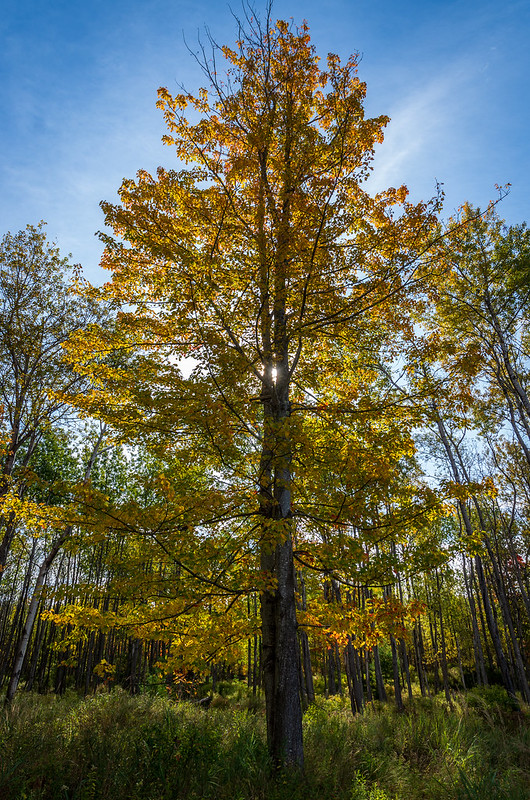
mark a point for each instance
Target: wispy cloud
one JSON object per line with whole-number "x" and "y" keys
{"x": 426, "y": 136}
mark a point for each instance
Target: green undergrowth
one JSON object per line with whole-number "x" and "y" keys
{"x": 117, "y": 747}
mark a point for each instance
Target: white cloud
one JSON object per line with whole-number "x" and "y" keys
{"x": 425, "y": 135}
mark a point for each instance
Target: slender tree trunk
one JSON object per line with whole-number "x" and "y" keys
{"x": 402, "y": 645}
{"x": 355, "y": 686}
{"x": 459, "y": 656}
{"x": 306, "y": 662}
{"x": 508, "y": 620}
{"x": 494, "y": 631}
{"x": 132, "y": 679}
{"x": 249, "y": 651}
{"x": 25, "y": 636}
{"x": 303, "y": 690}
{"x": 40, "y": 635}
{"x": 418, "y": 653}
{"x": 379, "y": 682}
{"x": 395, "y": 666}
{"x": 434, "y": 644}
{"x": 7, "y": 540}
{"x": 405, "y": 662}
{"x": 369, "y": 696}
{"x": 445, "y": 672}
{"x": 480, "y": 667}
{"x": 331, "y": 671}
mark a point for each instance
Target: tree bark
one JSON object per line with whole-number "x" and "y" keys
{"x": 280, "y": 668}
{"x": 480, "y": 666}
{"x": 379, "y": 682}
{"x": 395, "y": 667}
{"x": 281, "y": 679}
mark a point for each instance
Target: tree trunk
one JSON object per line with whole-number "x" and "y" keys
{"x": 355, "y": 686}
{"x": 280, "y": 667}
{"x": 369, "y": 697}
{"x": 445, "y": 671}
{"x": 306, "y": 664}
{"x": 281, "y": 678}
{"x": 494, "y": 631}
{"x": 480, "y": 666}
{"x": 418, "y": 653}
{"x": 379, "y": 682}
{"x": 25, "y": 636}
{"x": 395, "y": 666}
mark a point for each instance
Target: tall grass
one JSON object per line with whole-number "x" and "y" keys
{"x": 117, "y": 747}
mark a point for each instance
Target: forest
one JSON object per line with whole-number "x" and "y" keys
{"x": 265, "y": 494}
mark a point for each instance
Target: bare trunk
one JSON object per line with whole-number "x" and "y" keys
{"x": 278, "y": 606}
{"x": 25, "y": 636}
{"x": 280, "y": 668}
{"x": 395, "y": 667}
{"x": 355, "y": 686}
{"x": 379, "y": 683}
{"x": 477, "y": 644}
{"x": 418, "y": 653}
{"x": 445, "y": 671}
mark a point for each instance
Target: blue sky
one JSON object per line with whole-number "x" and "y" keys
{"x": 78, "y": 81}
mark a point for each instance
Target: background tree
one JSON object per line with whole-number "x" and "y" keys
{"x": 38, "y": 311}
{"x": 470, "y": 366}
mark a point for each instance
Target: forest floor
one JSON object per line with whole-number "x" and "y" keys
{"x": 112, "y": 746}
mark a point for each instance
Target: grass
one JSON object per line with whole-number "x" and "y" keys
{"x": 117, "y": 747}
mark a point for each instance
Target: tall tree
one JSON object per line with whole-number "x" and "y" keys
{"x": 38, "y": 311}
{"x": 266, "y": 261}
